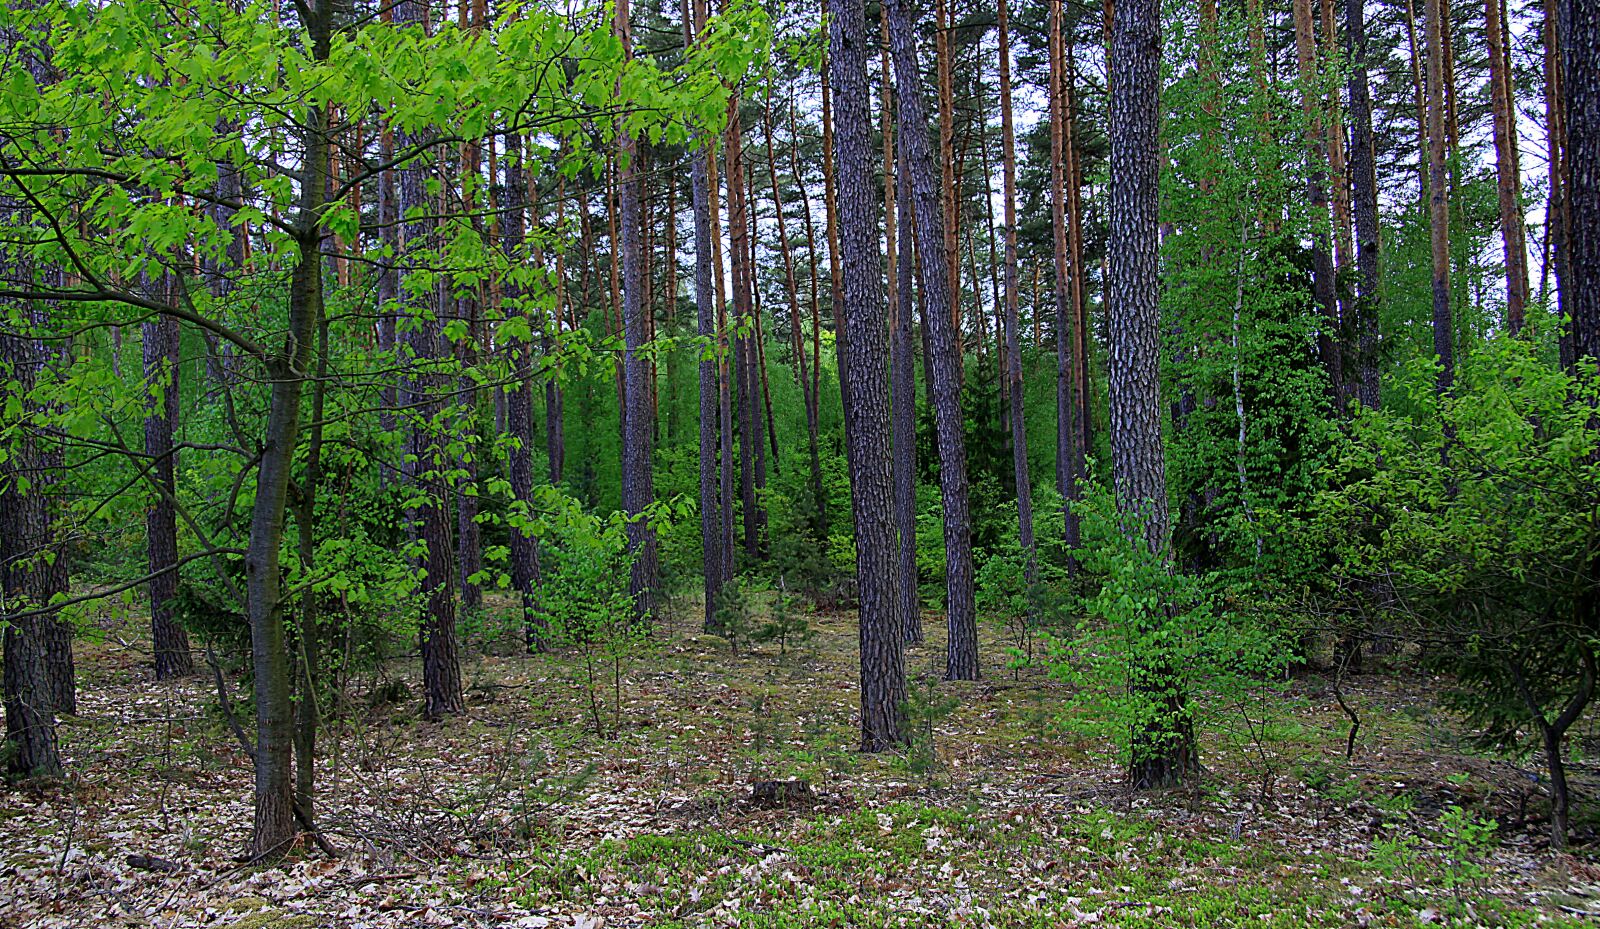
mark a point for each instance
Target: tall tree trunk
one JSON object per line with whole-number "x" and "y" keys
{"x": 160, "y": 348}
{"x": 426, "y": 456}
{"x": 902, "y": 357}
{"x": 738, "y": 248}
{"x": 555, "y": 428}
{"x": 1364, "y": 195}
{"x": 287, "y": 371}
{"x": 1581, "y": 284}
{"x": 715, "y": 571}
{"x": 1163, "y": 750}
{"x": 797, "y": 339}
{"x": 1013, "y": 352}
{"x": 1514, "y": 237}
{"x": 525, "y": 567}
{"x": 1070, "y": 341}
{"x": 883, "y": 687}
{"x": 1322, "y": 283}
{"x": 944, "y": 69}
{"x": 961, "y": 662}
{"x": 29, "y": 692}
{"x": 1438, "y": 197}
{"x": 1557, "y": 219}
{"x": 638, "y": 487}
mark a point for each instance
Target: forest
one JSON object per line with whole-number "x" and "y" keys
{"x": 789, "y": 463}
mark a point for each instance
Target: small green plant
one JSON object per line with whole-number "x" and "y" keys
{"x": 735, "y": 615}
{"x": 785, "y": 625}
{"x": 1397, "y": 856}
{"x": 925, "y": 707}
{"x": 1467, "y": 841}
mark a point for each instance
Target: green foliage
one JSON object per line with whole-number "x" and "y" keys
{"x": 1472, "y": 520}
{"x": 1150, "y": 638}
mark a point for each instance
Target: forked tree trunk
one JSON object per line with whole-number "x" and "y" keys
{"x": 961, "y": 662}
{"x": 883, "y": 687}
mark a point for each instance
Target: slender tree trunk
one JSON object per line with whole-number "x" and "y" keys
{"x": 1504, "y": 119}
{"x": 1438, "y": 197}
{"x": 555, "y": 428}
{"x": 160, "y": 347}
{"x": 962, "y": 656}
{"x": 1013, "y": 353}
{"x": 1322, "y": 285}
{"x": 287, "y": 371}
{"x": 1581, "y": 284}
{"x": 791, "y": 290}
{"x": 1163, "y": 751}
{"x": 1070, "y": 360}
{"x": 883, "y": 687}
{"x": 738, "y": 230}
{"x": 1364, "y": 195}
{"x": 638, "y": 488}
{"x": 902, "y": 363}
{"x": 1557, "y": 219}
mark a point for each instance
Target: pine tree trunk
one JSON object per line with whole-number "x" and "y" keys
{"x": 1163, "y": 750}
{"x": 1581, "y": 284}
{"x": 902, "y": 363}
{"x": 638, "y": 488}
{"x": 1512, "y": 234}
{"x": 1438, "y": 197}
{"x": 945, "y": 361}
{"x": 1364, "y": 197}
{"x": 1070, "y": 359}
{"x": 426, "y": 457}
{"x": 1322, "y": 284}
{"x": 883, "y": 688}
{"x": 160, "y": 348}
{"x": 1013, "y": 352}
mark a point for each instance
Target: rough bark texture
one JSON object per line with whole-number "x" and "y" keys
{"x": 1439, "y": 196}
{"x": 1580, "y": 297}
{"x": 160, "y": 348}
{"x": 1364, "y": 201}
{"x": 1163, "y": 749}
{"x": 883, "y": 687}
{"x": 903, "y": 388}
{"x": 945, "y": 359}
{"x": 28, "y": 692}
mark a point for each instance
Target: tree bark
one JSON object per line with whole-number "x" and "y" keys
{"x": 1364, "y": 198}
{"x": 1013, "y": 353}
{"x": 1439, "y": 197}
{"x": 1163, "y": 748}
{"x": 1580, "y": 285}
{"x": 638, "y": 488}
{"x": 1070, "y": 341}
{"x": 961, "y": 662}
{"x": 902, "y": 362}
{"x": 160, "y": 349}
{"x": 883, "y": 688}
{"x": 1514, "y": 237}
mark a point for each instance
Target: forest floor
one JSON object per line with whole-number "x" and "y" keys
{"x": 522, "y": 815}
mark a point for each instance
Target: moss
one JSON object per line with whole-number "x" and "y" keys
{"x": 274, "y": 920}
